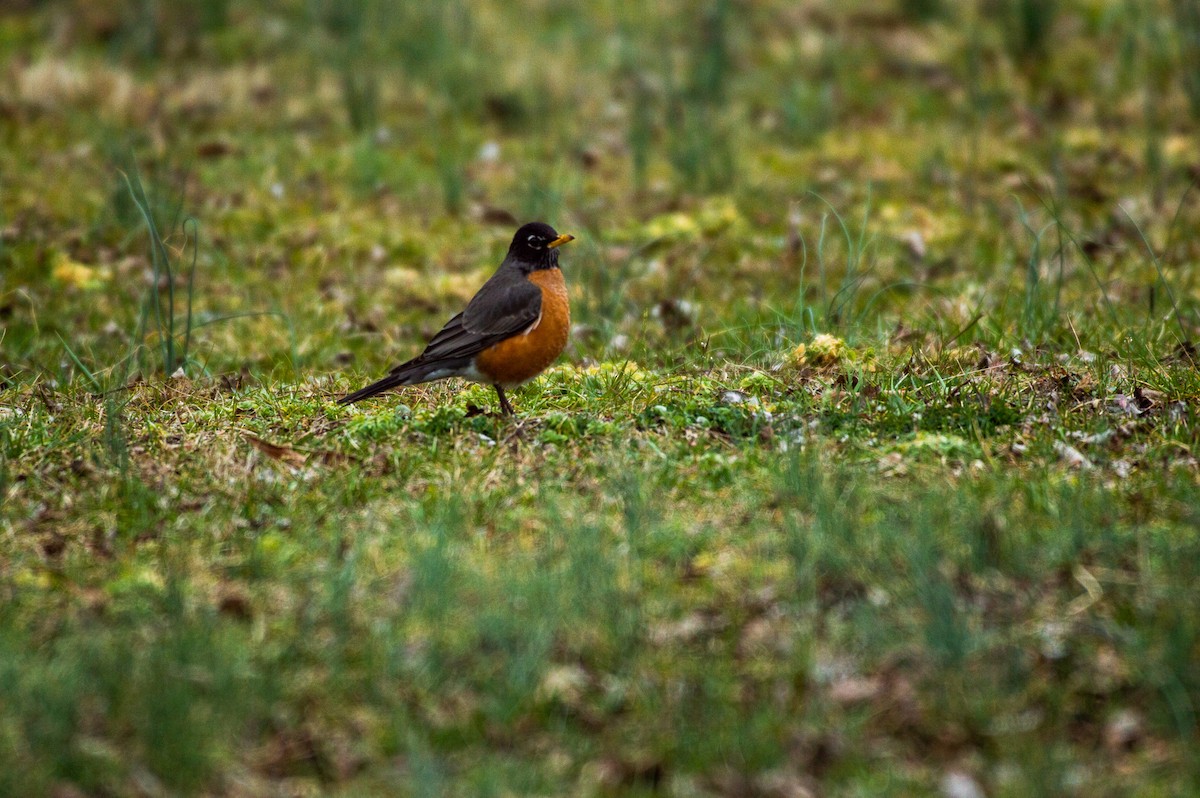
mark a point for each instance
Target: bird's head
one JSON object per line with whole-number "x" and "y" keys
{"x": 535, "y": 246}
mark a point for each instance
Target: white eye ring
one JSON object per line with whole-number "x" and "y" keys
{"x": 534, "y": 237}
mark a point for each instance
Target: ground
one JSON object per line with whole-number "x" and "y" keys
{"x": 870, "y": 469}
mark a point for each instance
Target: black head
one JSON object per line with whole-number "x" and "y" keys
{"x": 536, "y": 245}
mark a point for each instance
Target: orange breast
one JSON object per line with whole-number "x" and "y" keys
{"x": 524, "y": 356}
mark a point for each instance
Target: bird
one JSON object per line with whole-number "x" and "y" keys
{"x": 514, "y": 327}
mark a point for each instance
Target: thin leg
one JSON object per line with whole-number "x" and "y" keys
{"x": 505, "y": 406}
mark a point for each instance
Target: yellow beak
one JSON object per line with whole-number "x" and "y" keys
{"x": 558, "y": 242}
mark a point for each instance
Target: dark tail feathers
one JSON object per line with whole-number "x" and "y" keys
{"x": 387, "y": 383}
{"x": 409, "y": 373}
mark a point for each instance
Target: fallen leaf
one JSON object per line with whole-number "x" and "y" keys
{"x": 284, "y": 454}
{"x": 294, "y": 458}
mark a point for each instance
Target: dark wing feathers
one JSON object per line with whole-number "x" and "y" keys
{"x": 506, "y": 302}
{"x": 506, "y": 305}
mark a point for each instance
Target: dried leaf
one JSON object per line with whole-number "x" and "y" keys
{"x": 284, "y": 454}
{"x": 295, "y": 458}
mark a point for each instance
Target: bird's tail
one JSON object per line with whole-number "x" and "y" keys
{"x": 410, "y": 373}
{"x": 387, "y": 383}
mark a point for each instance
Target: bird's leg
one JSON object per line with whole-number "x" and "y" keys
{"x": 505, "y": 406}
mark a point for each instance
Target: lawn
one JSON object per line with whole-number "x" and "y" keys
{"x": 871, "y": 468}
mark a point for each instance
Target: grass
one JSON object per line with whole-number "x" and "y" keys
{"x": 871, "y": 468}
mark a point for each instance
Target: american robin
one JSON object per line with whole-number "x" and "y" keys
{"x": 512, "y": 329}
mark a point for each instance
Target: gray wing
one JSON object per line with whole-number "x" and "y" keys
{"x": 506, "y": 305}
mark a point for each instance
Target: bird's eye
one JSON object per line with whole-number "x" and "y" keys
{"x": 535, "y": 239}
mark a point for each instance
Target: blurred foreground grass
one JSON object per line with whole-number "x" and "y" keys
{"x": 871, "y": 469}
